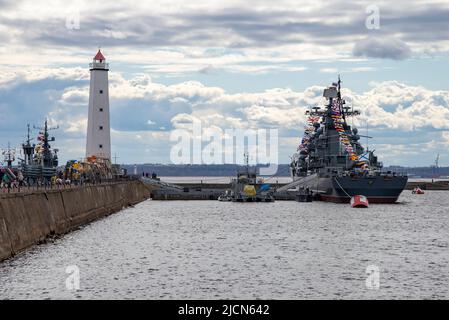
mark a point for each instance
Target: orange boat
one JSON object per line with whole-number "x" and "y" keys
{"x": 418, "y": 190}
{"x": 359, "y": 201}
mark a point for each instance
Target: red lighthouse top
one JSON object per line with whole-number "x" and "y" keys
{"x": 99, "y": 56}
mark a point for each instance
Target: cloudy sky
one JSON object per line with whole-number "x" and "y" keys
{"x": 232, "y": 64}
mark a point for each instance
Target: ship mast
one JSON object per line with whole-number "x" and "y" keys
{"x": 47, "y": 158}
{"x": 340, "y": 101}
{"x": 28, "y": 149}
{"x": 9, "y": 155}
{"x": 246, "y": 155}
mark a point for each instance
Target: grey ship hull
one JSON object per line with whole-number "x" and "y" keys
{"x": 378, "y": 189}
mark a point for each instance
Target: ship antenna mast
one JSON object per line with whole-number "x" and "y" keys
{"x": 27, "y": 148}
{"x": 339, "y": 87}
{"x": 339, "y": 92}
{"x": 46, "y": 139}
{"x": 367, "y": 135}
{"x": 339, "y": 100}
{"x": 9, "y": 155}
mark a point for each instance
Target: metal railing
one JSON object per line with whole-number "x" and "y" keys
{"x": 99, "y": 65}
{"x": 16, "y": 188}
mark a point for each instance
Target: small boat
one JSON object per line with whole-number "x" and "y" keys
{"x": 225, "y": 196}
{"x": 418, "y": 190}
{"x": 247, "y": 188}
{"x": 359, "y": 202}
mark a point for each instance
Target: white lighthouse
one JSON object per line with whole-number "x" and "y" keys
{"x": 98, "y": 127}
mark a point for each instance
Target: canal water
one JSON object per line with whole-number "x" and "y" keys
{"x": 216, "y": 250}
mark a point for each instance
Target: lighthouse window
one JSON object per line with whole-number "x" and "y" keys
{"x": 101, "y": 146}
{"x": 101, "y": 91}
{"x": 101, "y": 127}
{"x": 101, "y": 109}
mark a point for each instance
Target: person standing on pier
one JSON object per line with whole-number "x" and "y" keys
{"x": 20, "y": 178}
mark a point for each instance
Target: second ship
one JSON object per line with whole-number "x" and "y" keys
{"x": 332, "y": 164}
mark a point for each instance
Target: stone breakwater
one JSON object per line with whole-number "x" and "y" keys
{"x": 30, "y": 218}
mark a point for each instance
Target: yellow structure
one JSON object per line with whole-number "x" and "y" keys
{"x": 250, "y": 190}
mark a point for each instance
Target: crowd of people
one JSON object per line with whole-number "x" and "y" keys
{"x": 13, "y": 180}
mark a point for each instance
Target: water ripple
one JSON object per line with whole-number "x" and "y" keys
{"x": 213, "y": 250}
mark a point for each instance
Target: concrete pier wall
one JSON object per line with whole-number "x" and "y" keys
{"x": 211, "y": 191}
{"x": 29, "y": 218}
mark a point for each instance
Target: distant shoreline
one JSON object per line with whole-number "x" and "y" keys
{"x": 226, "y": 179}
{"x": 229, "y": 170}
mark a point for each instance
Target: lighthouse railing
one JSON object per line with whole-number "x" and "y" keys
{"x": 99, "y": 65}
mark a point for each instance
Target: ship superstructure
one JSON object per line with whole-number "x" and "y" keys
{"x": 40, "y": 160}
{"x": 332, "y": 163}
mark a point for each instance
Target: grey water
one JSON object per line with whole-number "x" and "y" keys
{"x": 216, "y": 250}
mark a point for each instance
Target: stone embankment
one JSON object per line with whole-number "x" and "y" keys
{"x": 28, "y": 218}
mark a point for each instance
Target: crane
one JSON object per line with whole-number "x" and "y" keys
{"x": 435, "y": 166}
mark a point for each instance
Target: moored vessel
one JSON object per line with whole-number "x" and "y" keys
{"x": 332, "y": 163}
{"x": 40, "y": 160}
{"x": 247, "y": 188}
{"x": 359, "y": 201}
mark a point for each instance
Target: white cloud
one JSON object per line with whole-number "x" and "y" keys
{"x": 329, "y": 70}
{"x": 77, "y": 126}
{"x": 146, "y": 110}
{"x": 382, "y": 47}
{"x": 398, "y": 106}
{"x": 75, "y": 96}
{"x": 181, "y": 37}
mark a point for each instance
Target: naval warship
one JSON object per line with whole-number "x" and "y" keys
{"x": 332, "y": 163}
{"x": 40, "y": 160}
